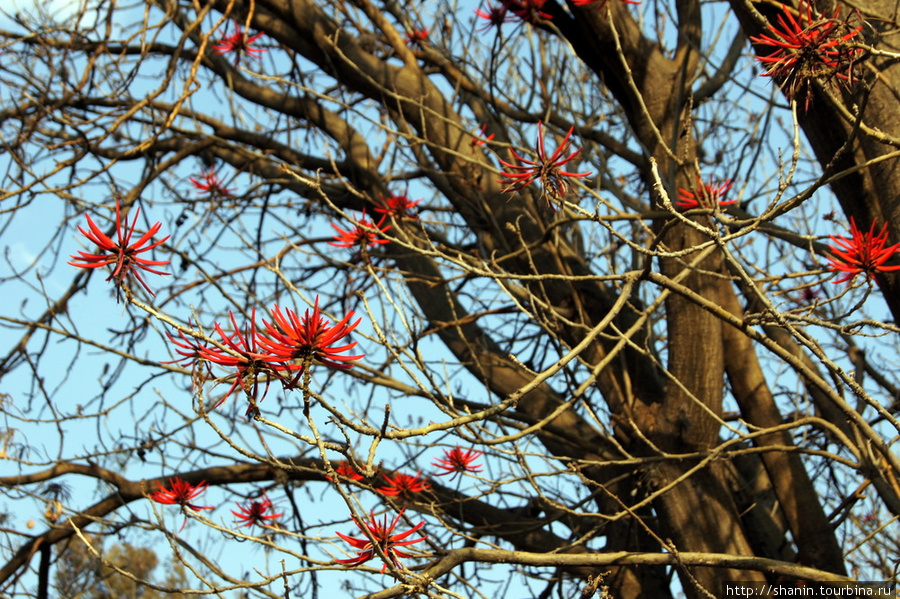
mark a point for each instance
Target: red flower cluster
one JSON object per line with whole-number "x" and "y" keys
{"x": 363, "y": 234}
{"x": 245, "y": 356}
{"x": 599, "y": 4}
{"x": 122, "y": 252}
{"x": 809, "y": 47}
{"x": 546, "y": 169}
{"x": 381, "y": 533}
{"x": 482, "y": 138}
{"x": 257, "y": 512}
{"x": 458, "y": 460}
{"x": 239, "y": 43}
{"x": 403, "y": 484}
{"x": 308, "y": 339}
{"x": 210, "y": 183}
{"x": 417, "y": 37}
{"x": 274, "y": 351}
{"x": 705, "y": 195}
{"x": 346, "y": 470}
{"x": 180, "y": 492}
{"x": 398, "y": 206}
{"x": 807, "y": 296}
{"x": 529, "y": 11}
{"x": 862, "y": 253}
{"x": 494, "y": 15}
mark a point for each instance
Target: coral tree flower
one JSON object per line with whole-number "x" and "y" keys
{"x": 180, "y": 492}
{"x": 494, "y": 15}
{"x": 599, "y": 4}
{"x": 209, "y": 183}
{"x": 546, "y": 169}
{"x": 247, "y": 357}
{"x": 257, "y": 512}
{"x": 482, "y": 138}
{"x": 381, "y": 533}
{"x": 808, "y": 47}
{"x": 239, "y": 43}
{"x": 417, "y": 37}
{"x": 363, "y": 234}
{"x": 398, "y": 206}
{"x": 458, "y": 460}
{"x": 190, "y": 352}
{"x": 530, "y": 11}
{"x": 122, "y": 252}
{"x": 346, "y": 470}
{"x": 309, "y": 339}
{"x": 403, "y": 484}
{"x": 705, "y": 195}
{"x": 862, "y": 253}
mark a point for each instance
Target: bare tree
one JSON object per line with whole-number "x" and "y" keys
{"x": 534, "y": 297}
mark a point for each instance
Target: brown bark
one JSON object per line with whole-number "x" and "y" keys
{"x": 804, "y": 514}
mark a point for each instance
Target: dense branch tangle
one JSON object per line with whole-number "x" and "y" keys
{"x": 600, "y": 347}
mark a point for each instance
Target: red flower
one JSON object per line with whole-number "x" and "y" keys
{"x": 239, "y": 43}
{"x": 187, "y": 347}
{"x": 528, "y": 10}
{"x": 380, "y": 533}
{"x": 547, "y": 170}
{"x": 403, "y": 484}
{"x": 495, "y": 17}
{"x": 705, "y": 195}
{"x": 249, "y": 359}
{"x": 363, "y": 234}
{"x": 862, "y": 253}
{"x": 256, "y": 512}
{"x": 397, "y": 206}
{"x": 191, "y": 352}
{"x": 180, "y": 492}
{"x": 211, "y": 183}
{"x": 807, "y": 48}
{"x": 417, "y": 37}
{"x": 121, "y": 252}
{"x": 458, "y": 460}
{"x": 482, "y": 140}
{"x": 307, "y": 339}
{"x": 600, "y": 3}
{"x": 807, "y": 296}
{"x": 346, "y": 470}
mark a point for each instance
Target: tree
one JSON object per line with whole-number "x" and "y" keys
{"x": 579, "y": 257}
{"x": 82, "y": 573}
